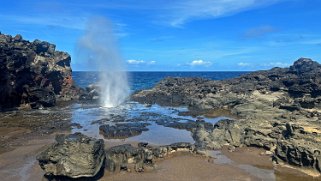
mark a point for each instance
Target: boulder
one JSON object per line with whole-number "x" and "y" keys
{"x": 74, "y": 156}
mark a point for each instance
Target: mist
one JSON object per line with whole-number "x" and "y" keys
{"x": 99, "y": 49}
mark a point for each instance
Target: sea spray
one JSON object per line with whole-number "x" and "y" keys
{"x": 98, "y": 47}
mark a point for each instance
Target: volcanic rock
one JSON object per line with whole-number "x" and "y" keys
{"x": 277, "y": 109}
{"x": 73, "y": 156}
{"x": 126, "y": 157}
{"x": 33, "y": 73}
{"x": 121, "y": 131}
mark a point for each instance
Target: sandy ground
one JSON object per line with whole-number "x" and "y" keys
{"x": 21, "y": 163}
{"x": 188, "y": 168}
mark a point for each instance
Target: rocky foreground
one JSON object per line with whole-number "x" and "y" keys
{"x": 277, "y": 109}
{"x": 33, "y": 73}
{"x": 78, "y": 156}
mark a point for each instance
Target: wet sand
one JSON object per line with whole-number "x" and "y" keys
{"x": 259, "y": 158}
{"x": 21, "y": 163}
{"x": 186, "y": 167}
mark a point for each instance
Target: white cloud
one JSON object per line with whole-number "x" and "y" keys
{"x": 243, "y": 64}
{"x": 275, "y": 64}
{"x": 135, "y": 62}
{"x": 140, "y": 62}
{"x": 200, "y": 63}
{"x": 186, "y": 10}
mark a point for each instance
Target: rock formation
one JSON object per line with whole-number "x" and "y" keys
{"x": 277, "y": 109}
{"x": 73, "y": 156}
{"x": 78, "y": 156}
{"x": 33, "y": 73}
{"x": 122, "y": 131}
{"x": 126, "y": 157}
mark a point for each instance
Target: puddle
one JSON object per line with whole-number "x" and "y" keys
{"x": 87, "y": 116}
{"x": 23, "y": 172}
{"x": 263, "y": 174}
{"x": 219, "y": 157}
{"x": 160, "y": 135}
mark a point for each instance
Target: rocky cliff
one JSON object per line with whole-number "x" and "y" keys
{"x": 277, "y": 109}
{"x": 33, "y": 73}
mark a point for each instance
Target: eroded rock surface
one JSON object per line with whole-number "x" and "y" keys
{"x": 277, "y": 109}
{"x": 33, "y": 73}
{"x": 126, "y": 157}
{"x": 74, "y": 156}
{"x": 124, "y": 130}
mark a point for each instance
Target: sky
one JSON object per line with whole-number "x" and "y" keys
{"x": 177, "y": 35}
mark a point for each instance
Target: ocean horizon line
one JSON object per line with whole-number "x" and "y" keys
{"x": 145, "y": 71}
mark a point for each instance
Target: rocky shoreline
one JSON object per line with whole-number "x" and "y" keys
{"x": 277, "y": 109}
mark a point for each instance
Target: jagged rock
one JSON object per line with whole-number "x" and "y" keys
{"x": 92, "y": 92}
{"x": 73, "y": 156}
{"x": 27, "y": 66}
{"x": 126, "y": 157}
{"x": 230, "y": 131}
{"x": 225, "y": 132}
{"x": 121, "y": 131}
{"x": 297, "y": 155}
{"x": 201, "y": 93}
{"x": 189, "y": 125}
{"x": 41, "y": 97}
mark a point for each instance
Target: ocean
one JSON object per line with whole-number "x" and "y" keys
{"x": 145, "y": 80}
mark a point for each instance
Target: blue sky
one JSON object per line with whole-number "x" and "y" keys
{"x": 170, "y": 35}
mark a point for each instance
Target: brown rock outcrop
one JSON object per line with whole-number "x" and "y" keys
{"x": 33, "y": 73}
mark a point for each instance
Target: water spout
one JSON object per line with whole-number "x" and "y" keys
{"x": 99, "y": 47}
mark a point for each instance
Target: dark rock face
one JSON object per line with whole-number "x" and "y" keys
{"x": 41, "y": 97}
{"x": 92, "y": 92}
{"x": 126, "y": 157}
{"x": 121, "y": 131}
{"x": 298, "y": 156}
{"x": 73, "y": 156}
{"x": 33, "y": 73}
{"x": 187, "y": 125}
